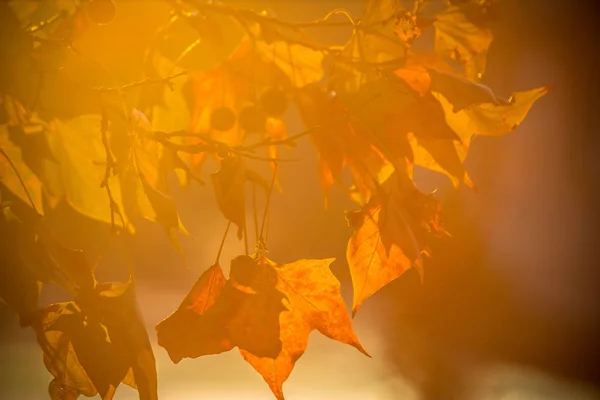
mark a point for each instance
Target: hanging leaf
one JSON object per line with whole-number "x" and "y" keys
{"x": 266, "y": 310}
{"x": 340, "y": 142}
{"x": 484, "y": 119}
{"x": 458, "y": 38}
{"x": 185, "y": 333}
{"x": 373, "y": 262}
{"x": 315, "y": 302}
{"x": 218, "y": 315}
{"x": 93, "y": 343}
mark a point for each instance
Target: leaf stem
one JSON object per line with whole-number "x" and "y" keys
{"x": 254, "y": 212}
{"x": 223, "y": 242}
{"x": 268, "y": 204}
{"x": 147, "y": 81}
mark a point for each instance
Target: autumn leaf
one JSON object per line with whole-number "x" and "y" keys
{"x": 381, "y": 249}
{"x": 491, "y": 119}
{"x": 266, "y": 310}
{"x": 218, "y": 315}
{"x": 93, "y": 343}
{"x": 77, "y": 146}
{"x": 446, "y": 156}
{"x": 20, "y": 286}
{"x": 458, "y": 38}
{"x": 185, "y": 333}
{"x": 340, "y": 142}
{"x": 315, "y": 302}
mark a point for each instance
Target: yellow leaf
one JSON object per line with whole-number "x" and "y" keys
{"x": 456, "y": 37}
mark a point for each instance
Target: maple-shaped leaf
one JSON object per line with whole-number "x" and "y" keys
{"x": 314, "y": 302}
{"x": 93, "y": 343}
{"x": 458, "y": 38}
{"x": 266, "y": 310}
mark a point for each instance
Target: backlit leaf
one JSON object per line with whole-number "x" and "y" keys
{"x": 458, "y": 38}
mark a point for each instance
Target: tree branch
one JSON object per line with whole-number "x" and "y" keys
{"x": 147, "y": 81}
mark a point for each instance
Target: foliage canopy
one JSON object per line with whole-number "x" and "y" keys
{"x": 215, "y": 82}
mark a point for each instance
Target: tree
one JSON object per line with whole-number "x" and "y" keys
{"x": 214, "y": 80}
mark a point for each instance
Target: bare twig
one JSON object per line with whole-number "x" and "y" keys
{"x": 268, "y": 204}
{"x": 209, "y": 145}
{"x": 148, "y": 81}
{"x": 223, "y": 242}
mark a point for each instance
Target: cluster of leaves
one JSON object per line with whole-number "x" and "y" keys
{"x": 376, "y": 106}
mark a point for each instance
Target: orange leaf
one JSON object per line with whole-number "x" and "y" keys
{"x": 372, "y": 266}
{"x": 266, "y": 310}
{"x": 314, "y": 302}
{"x": 178, "y": 333}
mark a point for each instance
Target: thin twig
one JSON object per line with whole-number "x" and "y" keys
{"x": 223, "y": 242}
{"x": 268, "y": 204}
{"x": 255, "y": 212}
{"x": 289, "y": 141}
{"x": 210, "y": 145}
{"x": 147, "y": 81}
{"x": 12, "y": 165}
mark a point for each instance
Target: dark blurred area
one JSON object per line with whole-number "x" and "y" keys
{"x": 519, "y": 284}
{"x": 539, "y": 191}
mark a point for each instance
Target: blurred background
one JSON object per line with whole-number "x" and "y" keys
{"x": 510, "y": 306}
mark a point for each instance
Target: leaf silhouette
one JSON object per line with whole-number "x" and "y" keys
{"x": 185, "y": 333}
{"x": 8, "y": 176}
{"x": 218, "y": 315}
{"x": 266, "y": 310}
{"x": 340, "y": 141}
{"x": 93, "y": 343}
{"x": 31, "y": 256}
